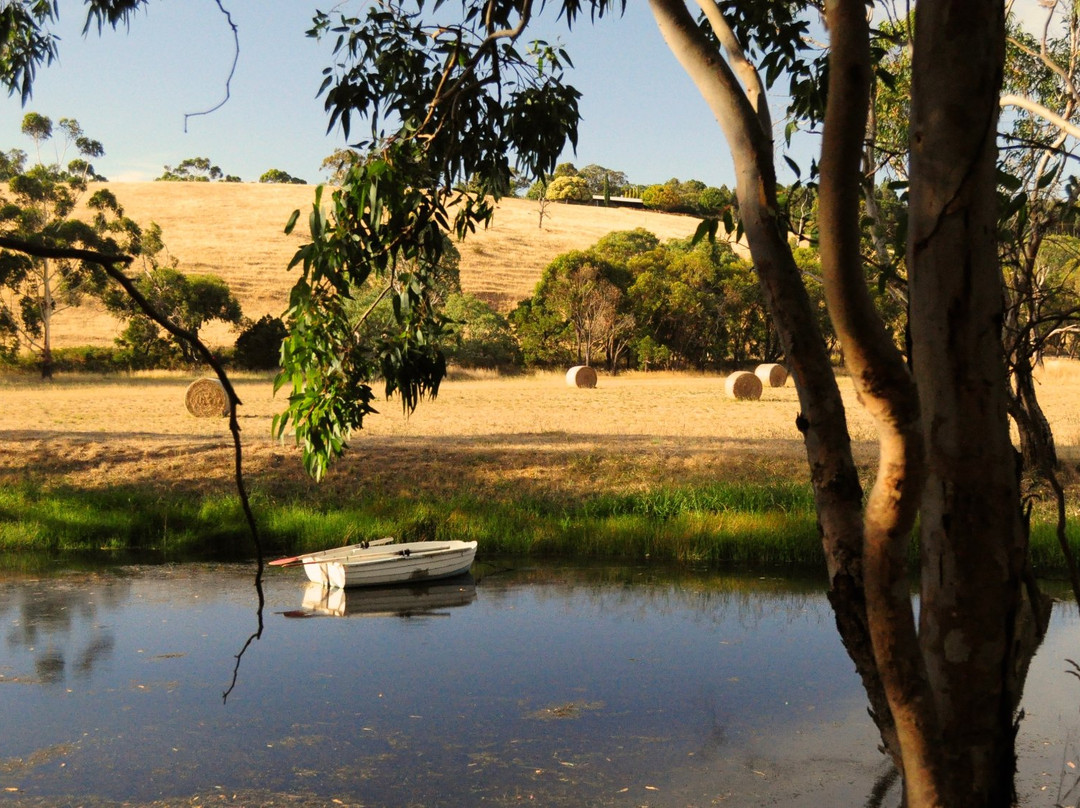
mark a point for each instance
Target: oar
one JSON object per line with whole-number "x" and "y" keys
{"x": 282, "y": 562}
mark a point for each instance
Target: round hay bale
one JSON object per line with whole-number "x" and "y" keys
{"x": 205, "y": 398}
{"x": 743, "y": 385}
{"x": 772, "y": 375}
{"x": 581, "y": 376}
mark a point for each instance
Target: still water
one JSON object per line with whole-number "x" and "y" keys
{"x": 523, "y": 684}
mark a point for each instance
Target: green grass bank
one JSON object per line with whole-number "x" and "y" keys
{"x": 748, "y": 524}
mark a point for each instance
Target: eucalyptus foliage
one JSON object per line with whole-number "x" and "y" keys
{"x": 37, "y": 207}
{"x": 449, "y": 105}
{"x": 27, "y": 43}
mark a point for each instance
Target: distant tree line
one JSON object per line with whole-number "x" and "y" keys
{"x": 201, "y": 169}
{"x": 629, "y": 301}
{"x": 595, "y": 183}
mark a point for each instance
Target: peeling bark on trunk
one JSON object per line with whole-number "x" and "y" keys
{"x": 973, "y": 627}
{"x": 888, "y": 393}
{"x": 956, "y": 683}
{"x": 837, "y": 491}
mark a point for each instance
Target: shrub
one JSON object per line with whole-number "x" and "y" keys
{"x": 141, "y": 347}
{"x": 75, "y": 359}
{"x": 569, "y": 189}
{"x": 478, "y": 336}
{"x": 259, "y": 345}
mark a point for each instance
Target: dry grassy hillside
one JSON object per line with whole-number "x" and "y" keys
{"x": 235, "y": 230}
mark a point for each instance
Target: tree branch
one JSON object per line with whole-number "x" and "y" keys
{"x": 469, "y": 71}
{"x": 232, "y": 70}
{"x": 1037, "y": 109}
{"x": 751, "y": 79}
{"x": 111, "y": 263}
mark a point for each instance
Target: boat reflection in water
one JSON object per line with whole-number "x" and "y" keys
{"x": 429, "y": 600}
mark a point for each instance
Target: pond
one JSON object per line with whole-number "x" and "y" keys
{"x": 542, "y": 684}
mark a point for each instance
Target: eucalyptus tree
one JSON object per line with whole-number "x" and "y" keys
{"x": 38, "y": 206}
{"x": 1036, "y": 187}
{"x": 1042, "y": 79}
{"x": 702, "y": 303}
{"x": 945, "y": 692}
{"x": 588, "y": 293}
{"x": 276, "y": 175}
{"x": 197, "y": 169}
{"x": 601, "y": 179}
{"x": 337, "y": 164}
{"x": 189, "y": 300}
{"x": 452, "y": 91}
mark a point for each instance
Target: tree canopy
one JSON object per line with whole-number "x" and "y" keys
{"x": 38, "y": 206}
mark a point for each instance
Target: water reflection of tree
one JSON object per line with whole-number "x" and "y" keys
{"x": 58, "y": 623}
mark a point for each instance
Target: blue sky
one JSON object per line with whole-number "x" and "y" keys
{"x": 131, "y": 90}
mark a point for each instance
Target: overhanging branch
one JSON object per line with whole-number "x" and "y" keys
{"x": 111, "y": 263}
{"x": 1013, "y": 100}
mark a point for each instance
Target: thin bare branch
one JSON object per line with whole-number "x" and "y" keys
{"x": 232, "y": 70}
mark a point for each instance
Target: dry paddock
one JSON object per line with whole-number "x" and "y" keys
{"x": 631, "y": 431}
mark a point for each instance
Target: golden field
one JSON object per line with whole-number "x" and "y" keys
{"x": 528, "y": 434}
{"x": 531, "y": 431}
{"x": 236, "y": 231}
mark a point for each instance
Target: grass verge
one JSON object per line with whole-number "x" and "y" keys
{"x": 769, "y": 523}
{"x": 754, "y": 524}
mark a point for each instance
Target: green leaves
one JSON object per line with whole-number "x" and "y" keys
{"x": 38, "y": 211}
{"x": 450, "y": 97}
{"x": 25, "y": 43}
{"x": 380, "y": 228}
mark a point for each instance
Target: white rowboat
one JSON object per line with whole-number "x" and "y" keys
{"x": 409, "y": 562}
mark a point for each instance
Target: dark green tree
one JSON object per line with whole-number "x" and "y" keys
{"x": 189, "y": 300}
{"x": 588, "y": 293}
{"x": 543, "y": 334}
{"x": 477, "y": 336}
{"x": 600, "y": 178}
{"x": 703, "y": 304}
{"x": 258, "y": 346}
{"x": 714, "y": 201}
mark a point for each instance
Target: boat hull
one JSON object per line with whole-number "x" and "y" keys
{"x": 392, "y": 564}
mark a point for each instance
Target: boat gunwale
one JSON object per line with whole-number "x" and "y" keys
{"x": 392, "y": 551}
